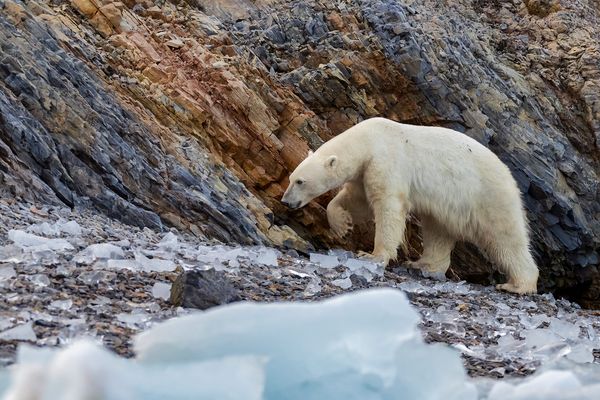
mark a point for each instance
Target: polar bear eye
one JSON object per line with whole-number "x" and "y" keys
{"x": 299, "y": 182}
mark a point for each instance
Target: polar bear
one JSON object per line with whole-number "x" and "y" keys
{"x": 457, "y": 187}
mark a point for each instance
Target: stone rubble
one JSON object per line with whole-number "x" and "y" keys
{"x": 52, "y": 297}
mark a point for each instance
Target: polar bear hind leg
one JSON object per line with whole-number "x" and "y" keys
{"x": 438, "y": 244}
{"x": 509, "y": 251}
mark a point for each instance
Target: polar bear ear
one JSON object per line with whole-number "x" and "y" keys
{"x": 331, "y": 161}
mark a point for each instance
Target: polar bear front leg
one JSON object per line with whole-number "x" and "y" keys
{"x": 340, "y": 220}
{"x": 390, "y": 224}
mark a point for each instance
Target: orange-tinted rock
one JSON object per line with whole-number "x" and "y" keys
{"x": 86, "y": 7}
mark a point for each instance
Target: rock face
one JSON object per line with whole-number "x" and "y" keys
{"x": 193, "y": 114}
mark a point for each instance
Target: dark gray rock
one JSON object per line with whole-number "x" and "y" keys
{"x": 69, "y": 138}
{"x": 202, "y": 290}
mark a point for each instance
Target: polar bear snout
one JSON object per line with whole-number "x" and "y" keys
{"x": 292, "y": 205}
{"x": 290, "y": 202}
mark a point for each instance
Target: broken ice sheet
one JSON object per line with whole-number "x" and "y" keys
{"x": 7, "y": 272}
{"x": 28, "y": 241}
{"x": 363, "y": 345}
{"x": 95, "y": 277}
{"x": 61, "y": 304}
{"x": 85, "y": 370}
{"x": 413, "y": 287}
{"x": 19, "y": 332}
{"x": 345, "y": 283}
{"x": 154, "y": 264}
{"x": 313, "y": 287}
{"x": 11, "y": 254}
{"x": 70, "y": 228}
{"x": 131, "y": 265}
{"x": 365, "y": 268}
{"x": 581, "y": 353}
{"x": 161, "y": 290}
{"x": 40, "y": 280}
{"x": 266, "y": 256}
{"x": 134, "y": 320}
{"x": 299, "y": 274}
{"x": 564, "y": 329}
{"x": 342, "y": 255}
{"x": 547, "y": 385}
{"x": 99, "y": 251}
{"x": 325, "y": 261}
{"x": 169, "y": 242}
{"x": 216, "y": 255}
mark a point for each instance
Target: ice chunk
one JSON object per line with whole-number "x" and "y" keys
{"x": 7, "y": 273}
{"x": 95, "y": 277}
{"x": 507, "y": 344}
{"x": 537, "y": 338}
{"x": 69, "y": 375}
{"x": 534, "y": 321}
{"x": 363, "y": 345}
{"x": 19, "y": 332}
{"x": 61, "y": 304}
{"x": 99, "y": 251}
{"x": 581, "y": 353}
{"x": 32, "y": 242}
{"x": 353, "y": 265}
{"x": 267, "y": 256}
{"x": 326, "y": 261}
{"x": 62, "y": 270}
{"x": 220, "y": 254}
{"x": 549, "y": 385}
{"x": 11, "y": 254}
{"x": 135, "y": 319}
{"x": 40, "y": 280}
{"x": 71, "y": 228}
{"x": 154, "y": 264}
{"x": 564, "y": 329}
{"x": 169, "y": 242}
{"x": 313, "y": 287}
{"x": 131, "y": 265}
{"x": 413, "y": 287}
{"x": 342, "y": 255}
{"x": 161, "y": 290}
{"x": 300, "y": 274}
{"x": 438, "y": 276}
{"x": 345, "y": 283}
{"x": 365, "y": 268}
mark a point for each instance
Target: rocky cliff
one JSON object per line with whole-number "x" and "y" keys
{"x": 192, "y": 113}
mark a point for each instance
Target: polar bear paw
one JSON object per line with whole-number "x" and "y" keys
{"x": 340, "y": 222}
{"x": 518, "y": 289}
{"x": 372, "y": 257}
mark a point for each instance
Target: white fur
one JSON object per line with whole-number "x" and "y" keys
{"x": 459, "y": 189}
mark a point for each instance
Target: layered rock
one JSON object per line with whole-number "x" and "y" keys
{"x": 193, "y": 114}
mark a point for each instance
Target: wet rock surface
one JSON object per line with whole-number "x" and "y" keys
{"x": 67, "y": 274}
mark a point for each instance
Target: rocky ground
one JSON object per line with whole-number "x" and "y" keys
{"x": 54, "y": 287}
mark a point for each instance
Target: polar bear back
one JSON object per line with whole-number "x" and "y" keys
{"x": 443, "y": 172}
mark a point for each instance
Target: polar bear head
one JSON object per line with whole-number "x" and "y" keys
{"x": 317, "y": 174}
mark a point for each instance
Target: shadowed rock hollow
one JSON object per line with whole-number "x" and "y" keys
{"x": 192, "y": 114}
